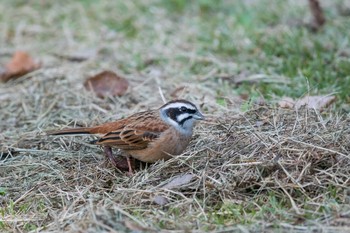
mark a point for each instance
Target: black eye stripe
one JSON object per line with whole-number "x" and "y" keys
{"x": 173, "y": 113}
{"x": 183, "y": 120}
{"x": 191, "y": 111}
{"x": 188, "y": 110}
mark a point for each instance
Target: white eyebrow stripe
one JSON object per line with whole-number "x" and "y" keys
{"x": 182, "y": 116}
{"x": 179, "y": 105}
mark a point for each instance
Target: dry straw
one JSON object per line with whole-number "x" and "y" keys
{"x": 237, "y": 160}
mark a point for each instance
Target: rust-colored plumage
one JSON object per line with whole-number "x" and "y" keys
{"x": 147, "y": 136}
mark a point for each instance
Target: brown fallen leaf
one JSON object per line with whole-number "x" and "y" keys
{"x": 20, "y": 64}
{"x": 317, "y": 102}
{"x": 107, "y": 83}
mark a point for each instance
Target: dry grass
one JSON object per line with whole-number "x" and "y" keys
{"x": 263, "y": 169}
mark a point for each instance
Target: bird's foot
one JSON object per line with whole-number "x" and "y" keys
{"x": 130, "y": 166}
{"x": 120, "y": 162}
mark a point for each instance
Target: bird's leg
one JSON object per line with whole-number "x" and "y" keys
{"x": 131, "y": 172}
{"x": 119, "y": 162}
{"x": 109, "y": 155}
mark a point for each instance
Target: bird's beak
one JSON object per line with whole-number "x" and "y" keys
{"x": 199, "y": 116}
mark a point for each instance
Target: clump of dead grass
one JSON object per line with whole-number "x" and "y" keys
{"x": 265, "y": 168}
{"x": 256, "y": 168}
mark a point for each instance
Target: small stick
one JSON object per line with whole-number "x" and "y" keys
{"x": 161, "y": 94}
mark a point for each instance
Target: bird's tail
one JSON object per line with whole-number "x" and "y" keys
{"x": 70, "y": 131}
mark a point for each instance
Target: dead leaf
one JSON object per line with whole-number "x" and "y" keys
{"x": 179, "y": 181}
{"x": 20, "y": 64}
{"x": 286, "y": 102}
{"x": 107, "y": 83}
{"x": 315, "y": 102}
{"x": 176, "y": 182}
{"x": 160, "y": 200}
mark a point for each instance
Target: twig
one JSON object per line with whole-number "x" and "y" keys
{"x": 161, "y": 94}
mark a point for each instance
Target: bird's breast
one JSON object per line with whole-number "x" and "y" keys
{"x": 169, "y": 144}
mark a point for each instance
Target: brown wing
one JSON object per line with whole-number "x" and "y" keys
{"x": 128, "y": 139}
{"x": 142, "y": 128}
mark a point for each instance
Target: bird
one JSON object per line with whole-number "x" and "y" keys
{"x": 147, "y": 136}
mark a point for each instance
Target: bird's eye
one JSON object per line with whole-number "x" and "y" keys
{"x": 183, "y": 109}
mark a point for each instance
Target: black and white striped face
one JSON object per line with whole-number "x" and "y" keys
{"x": 181, "y": 114}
